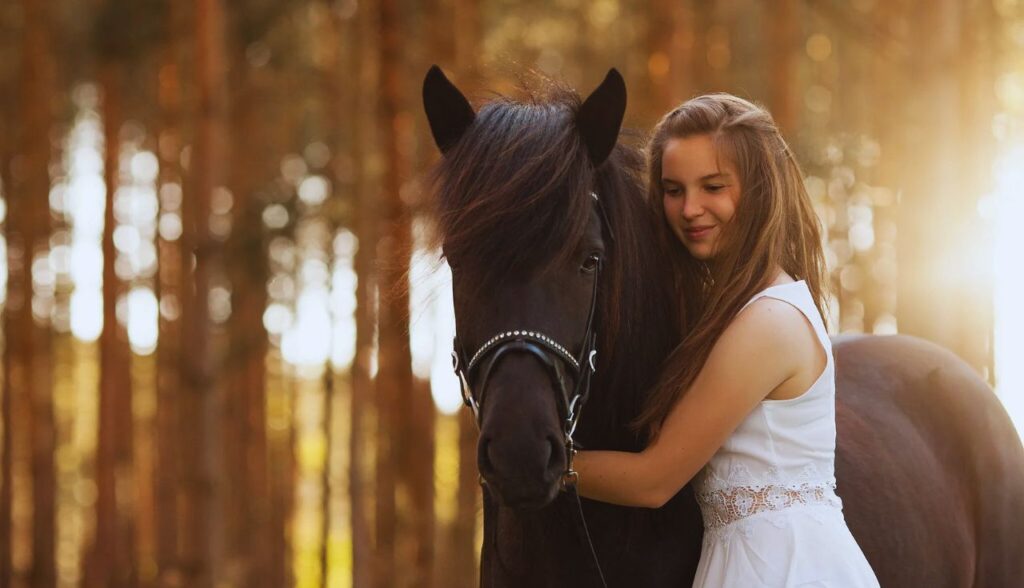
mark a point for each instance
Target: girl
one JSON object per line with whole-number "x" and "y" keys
{"x": 745, "y": 406}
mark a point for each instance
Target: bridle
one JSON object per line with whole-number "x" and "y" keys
{"x": 556, "y": 359}
{"x": 559, "y": 363}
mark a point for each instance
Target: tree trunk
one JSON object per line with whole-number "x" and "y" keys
{"x": 889, "y": 87}
{"x": 334, "y": 106}
{"x": 6, "y": 407}
{"x": 244, "y": 251}
{"x": 114, "y": 544}
{"x": 30, "y": 341}
{"x": 661, "y": 28}
{"x": 362, "y": 385}
{"x": 929, "y": 237}
{"x": 15, "y": 283}
{"x": 170, "y": 292}
{"x": 394, "y": 380}
{"x": 782, "y": 32}
{"x": 200, "y": 528}
{"x": 468, "y": 501}
{"x": 281, "y": 471}
{"x": 325, "y": 474}
{"x": 706, "y": 78}
{"x": 419, "y": 468}
{"x": 254, "y": 156}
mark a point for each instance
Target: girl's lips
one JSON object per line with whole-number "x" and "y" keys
{"x": 697, "y": 234}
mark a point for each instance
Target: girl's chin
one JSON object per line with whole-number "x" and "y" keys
{"x": 701, "y": 253}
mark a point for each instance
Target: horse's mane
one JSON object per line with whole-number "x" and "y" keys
{"x": 512, "y": 198}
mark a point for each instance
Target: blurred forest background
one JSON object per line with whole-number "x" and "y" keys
{"x": 208, "y": 206}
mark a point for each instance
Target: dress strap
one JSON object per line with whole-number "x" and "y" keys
{"x": 797, "y": 294}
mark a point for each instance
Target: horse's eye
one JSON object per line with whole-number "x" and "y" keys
{"x": 590, "y": 265}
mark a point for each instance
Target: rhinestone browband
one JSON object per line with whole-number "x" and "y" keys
{"x": 535, "y": 335}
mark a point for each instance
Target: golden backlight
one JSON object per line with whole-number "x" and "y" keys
{"x": 1009, "y": 282}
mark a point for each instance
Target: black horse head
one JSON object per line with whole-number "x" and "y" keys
{"x": 541, "y": 217}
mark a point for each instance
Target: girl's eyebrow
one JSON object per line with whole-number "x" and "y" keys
{"x": 723, "y": 175}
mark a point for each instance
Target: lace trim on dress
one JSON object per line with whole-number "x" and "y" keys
{"x": 729, "y": 505}
{"x": 740, "y": 495}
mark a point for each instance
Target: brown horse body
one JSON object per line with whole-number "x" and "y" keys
{"x": 928, "y": 464}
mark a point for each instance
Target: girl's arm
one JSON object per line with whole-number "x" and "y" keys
{"x": 756, "y": 352}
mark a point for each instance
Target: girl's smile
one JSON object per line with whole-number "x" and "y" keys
{"x": 698, "y": 233}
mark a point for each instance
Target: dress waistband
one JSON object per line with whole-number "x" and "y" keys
{"x": 727, "y": 505}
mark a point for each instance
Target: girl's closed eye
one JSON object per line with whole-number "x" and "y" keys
{"x": 714, "y": 187}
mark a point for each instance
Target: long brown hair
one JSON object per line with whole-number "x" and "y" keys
{"x": 774, "y": 226}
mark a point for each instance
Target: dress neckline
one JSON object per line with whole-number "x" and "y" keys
{"x": 783, "y": 284}
{"x": 769, "y": 288}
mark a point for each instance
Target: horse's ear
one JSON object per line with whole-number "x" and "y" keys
{"x": 448, "y": 111}
{"x": 600, "y": 117}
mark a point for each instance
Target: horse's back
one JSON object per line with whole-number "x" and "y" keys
{"x": 930, "y": 467}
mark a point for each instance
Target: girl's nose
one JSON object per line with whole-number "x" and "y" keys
{"x": 692, "y": 209}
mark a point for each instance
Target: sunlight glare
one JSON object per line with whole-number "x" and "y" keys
{"x": 86, "y": 159}
{"x": 84, "y": 203}
{"x": 86, "y": 265}
{"x": 344, "y": 349}
{"x": 144, "y": 166}
{"x": 314, "y": 190}
{"x": 142, "y": 320}
{"x": 170, "y": 226}
{"x": 86, "y": 314}
{"x": 1009, "y": 284}
{"x": 3, "y": 270}
{"x": 343, "y": 299}
{"x": 432, "y": 327}
{"x": 277, "y": 318}
{"x": 421, "y": 336}
{"x": 307, "y": 342}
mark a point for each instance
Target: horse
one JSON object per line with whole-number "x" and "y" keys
{"x": 519, "y": 227}
{"x": 540, "y": 212}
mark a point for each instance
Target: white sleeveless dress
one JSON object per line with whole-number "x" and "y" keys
{"x": 771, "y": 515}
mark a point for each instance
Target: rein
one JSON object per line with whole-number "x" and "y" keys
{"x": 557, "y": 360}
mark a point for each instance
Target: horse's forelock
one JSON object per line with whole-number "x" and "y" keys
{"x": 513, "y": 191}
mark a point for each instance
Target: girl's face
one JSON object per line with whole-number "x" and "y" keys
{"x": 701, "y": 189}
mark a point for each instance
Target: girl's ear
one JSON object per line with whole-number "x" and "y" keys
{"x": 448, "y": 111}
{"x": 600, "y": 117}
